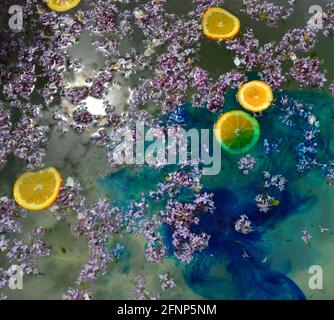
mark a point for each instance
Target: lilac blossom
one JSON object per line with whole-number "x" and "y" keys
{"x": 212, "y": 96}
{"x": 177, "y": 180}
{"x": 71, "y": 198}
{"x": 100, "y": 84}
{"x": 4, "y": 243}
{"x": 139, "y": 289}
{"x": 26, "y": 255}
{"x": 272, "y": 147}
{"x": 331, "y": 88}
{"x": 293, "y": 111}
{"x": 328, "y": 19}
{"x": 329, "y": 173}
{"x": 4, "y": 278}
{"x": 82, "y": 118}
{"x": 306, "y": 237}
{"x": 267, "y": 11}
{"x": 97, "y": 223}
{"x": 5, "y": 136}
{"x": 75, "y": 95}
{"x": 78, "y": 294}
{"x": 296, "y": 40}
{"x": 166, "y": 281}
{"x": 155, "y": 250}
{"x": 243, "y": 225}
{"x": 17, "y": 252}
{"x": 306, "y": 72}
{"x": 181, "y": 216}
{"x": 264, "y": 202}
{"x": 246, "y": 49}
{"x": 277, "y": 181}
{"x": 29, "y": 140}
{"x": 11, "y": 216}
{"x": 246, "y": 164}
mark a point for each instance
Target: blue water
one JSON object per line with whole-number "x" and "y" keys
{"x": 221, "y": 271}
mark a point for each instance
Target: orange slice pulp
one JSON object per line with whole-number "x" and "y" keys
{"x": 219, "y": 24}
{"x": 237, "y": 132}
{"x": 255, "y": 96}
{"x": 62, "y": 5}
{"x": 37, "y": 190}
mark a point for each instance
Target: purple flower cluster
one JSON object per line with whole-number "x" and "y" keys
{"x": 29, "y": 140}
{"x": 139, "y": 289}
{"x": 306, "y": 72}
{"x": 246, "y": 164}
{"x": 272, "y": 147}
{"x": 101, "y": 221}
{"x": 246, "y": 50}
{"x": 17, "y": 252}
{"x": 268, "y": 59}
{"x": 177, "y": 180}
{"x": 297, "y": 40}
{"x": 306, "y": 237}
{"x": 243, "y": 225}
{"x": 78, "y": 294}
{"x": 26, "y": 255}
{"x": 277, "y": 181}
{"x": 213, "y": 94}
{"x": 82, "y": 118}
{"x": 26, "y": 139}
{"x": 331, "y": 88}
{"x": 330, "y": 176}
{"x": 11, "y": 216}
{"x": 267, "y": 11}
{"x": 106, "y": 12}
{"x": 181, "y": 216}
{"x": 5, "y": 136}
{"x": 97, "y": 223}
{"x": 293, "y": 110}
{"x": 328, "y": 19}
{"x": 264, "y": 200}
{"x": 155, "y": 250}
{"x": 166, "y": 281}
{"x": 100, "y": 84}
{"x": 75, "y": 95}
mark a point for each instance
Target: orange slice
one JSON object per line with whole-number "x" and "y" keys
{"x": 37, "y": 190}
{"x": 62, "y": 5}
{"x": 237, "y": 132}
{"x": 255, "y": 96}
{"x": 219, "y": 24}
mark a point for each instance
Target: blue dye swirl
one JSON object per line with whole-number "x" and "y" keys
{"x": 222, "y": 271}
